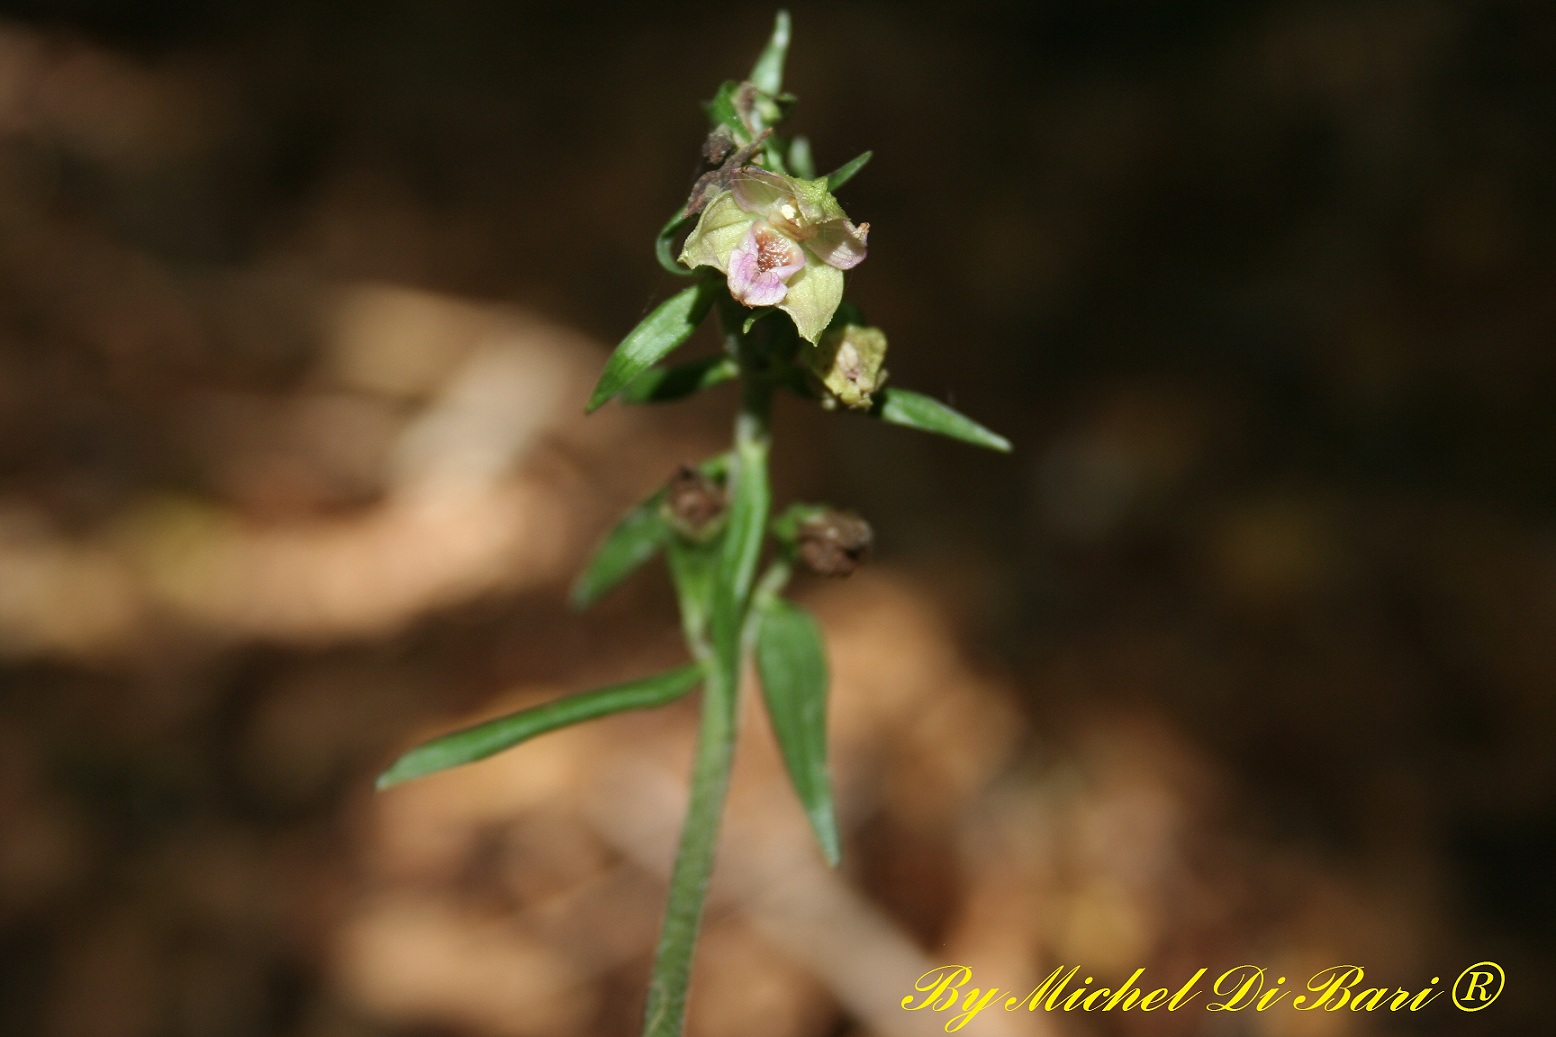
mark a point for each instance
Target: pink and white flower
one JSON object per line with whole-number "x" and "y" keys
{"x": 782, "y": 242}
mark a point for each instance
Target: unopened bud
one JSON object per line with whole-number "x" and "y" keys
{"x": 834, "y": 543}
{"x": 848, "y": 365}
{"x": 694, "y": 504}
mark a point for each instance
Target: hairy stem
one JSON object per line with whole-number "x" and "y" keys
{"x": 719, "y": 648}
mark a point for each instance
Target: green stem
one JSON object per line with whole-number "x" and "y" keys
{"x": 719, "y": 648}
{"x": 694, "y": 863}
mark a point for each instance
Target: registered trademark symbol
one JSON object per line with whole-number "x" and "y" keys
{"x": 1478, "y": 986}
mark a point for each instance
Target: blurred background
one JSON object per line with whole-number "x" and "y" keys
{"x": 1245, "y": 654}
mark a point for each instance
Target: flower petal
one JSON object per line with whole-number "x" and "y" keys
{"x": 840, "y": 244}
{"x": 719, "y": 230}
{"x": 756, "y": 190}
{"x": 812, "y": 299}
{"x": 764, "y": 192}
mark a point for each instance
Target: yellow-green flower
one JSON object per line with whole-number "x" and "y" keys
{"x": 779, "y": 241}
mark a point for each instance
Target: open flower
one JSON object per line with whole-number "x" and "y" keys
{"x": 780, "y": 242}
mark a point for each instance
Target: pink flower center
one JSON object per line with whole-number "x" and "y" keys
{"x": 773, "y": 250}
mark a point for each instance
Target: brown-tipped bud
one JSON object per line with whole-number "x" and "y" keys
{"x": 694, "y": 504}
{"x": 834, "y": 543}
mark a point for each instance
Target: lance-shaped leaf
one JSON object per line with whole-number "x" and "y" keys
{"x": 665, "y": 249}
{"x": 693, "y": 570}
{"x": 723, "y": 111}
{"x": 927, "y": 414}
{"x": 844, "y": 173}
{"x": 750, "y": 498}
{"x": 664, "y": 384}
{"x": 635, "y": 539}
{"x": 792, "y": 663}
{"x": 632, "y": 542}
{"x": 671, "y": 323}
{"x": 483, "y": 740}
{"x": 767, "y": 73}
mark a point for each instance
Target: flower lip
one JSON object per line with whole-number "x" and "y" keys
{"x": 761, "y": 265}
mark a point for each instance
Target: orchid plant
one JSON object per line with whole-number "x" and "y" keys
{"x": 763, "y": 236}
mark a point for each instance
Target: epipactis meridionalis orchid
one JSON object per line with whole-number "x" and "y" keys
{"x": 779, "y": 241}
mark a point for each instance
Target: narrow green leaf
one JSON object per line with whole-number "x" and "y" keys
{"x": 801, "y": 163}
{"x": 748, "y": 509}
{"x": 927, "y": 414}
{"x": 749, "y": 502}
{"x": 750, "y": 499}
{"x": 791, "y": 660}
{"x": 483, "y": 740}
{"x": 693, "y": 568}
{"x": 844, "y": 173}
{"x": 663, "y": 384}
{"x": 767, "y": 73}
{"x": 665, "y": 249}
{"x": 634, "y": 540}
{"x": 671, "y": 323}
{"x": 722, "y": 111}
